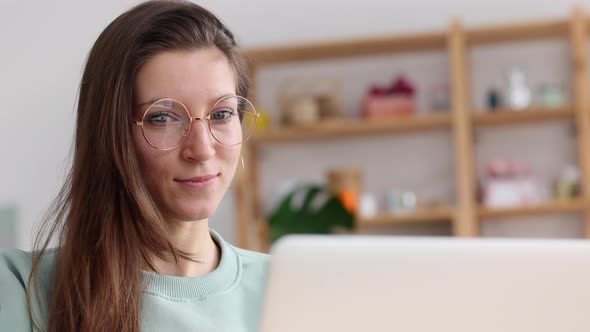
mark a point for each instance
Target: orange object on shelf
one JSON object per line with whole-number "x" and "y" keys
{"x": 350, "y": 200}
{"x": 345, "y": 183}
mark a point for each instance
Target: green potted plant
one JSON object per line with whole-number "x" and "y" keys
{"x": 309, "y": 209}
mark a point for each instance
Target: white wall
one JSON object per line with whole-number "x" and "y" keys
{"x": 44, "y": 45}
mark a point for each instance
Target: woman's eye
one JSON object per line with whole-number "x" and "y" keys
{"x": 223, "y": 114}
{"x": 162, "y": 118}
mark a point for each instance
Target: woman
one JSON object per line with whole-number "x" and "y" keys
{"x": 161, "y": 119}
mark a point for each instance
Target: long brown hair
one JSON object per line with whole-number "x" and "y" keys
{"x": 106, "y": 224}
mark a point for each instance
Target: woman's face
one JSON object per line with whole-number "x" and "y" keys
{"x": 188, "y": 182}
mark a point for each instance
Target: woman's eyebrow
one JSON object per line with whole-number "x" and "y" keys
{"x": 149, "y": 102}
{"x": 213, "y": 100}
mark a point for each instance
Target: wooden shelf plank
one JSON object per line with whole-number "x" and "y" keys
{"x": 422, "y": 216}
{"x": 399, "y": 44}
{"x": 520, "y": 32}
{"x": 347, "y": 128}
{"x": 502, "y": 117}
{"x": 551, "y": 207}
{"x": 344, "y": 49}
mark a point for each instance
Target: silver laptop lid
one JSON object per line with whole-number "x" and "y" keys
{"x": 367, "y": 283}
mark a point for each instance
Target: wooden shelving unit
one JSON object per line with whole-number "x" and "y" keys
{"x": 461, "y": 120}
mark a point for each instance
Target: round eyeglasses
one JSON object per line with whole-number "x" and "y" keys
{"x": 167, "y": 122}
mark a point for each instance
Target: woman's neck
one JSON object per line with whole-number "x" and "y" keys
{"x": 193, "y": 239}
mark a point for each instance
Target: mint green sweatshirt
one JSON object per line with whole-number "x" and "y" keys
{"x": 227, "y": 299}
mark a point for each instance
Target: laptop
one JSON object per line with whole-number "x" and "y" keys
{"x": 414, "y": 284}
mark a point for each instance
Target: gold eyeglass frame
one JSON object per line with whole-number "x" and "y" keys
{"x": 196, "y": 118}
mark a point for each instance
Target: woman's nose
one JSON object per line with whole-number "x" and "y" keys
{"x": 199, "y": 144}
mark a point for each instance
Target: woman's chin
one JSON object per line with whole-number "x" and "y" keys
{"x": 192, "y": 213}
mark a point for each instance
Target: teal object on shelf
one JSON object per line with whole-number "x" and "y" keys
{"x": 8, "y": 220}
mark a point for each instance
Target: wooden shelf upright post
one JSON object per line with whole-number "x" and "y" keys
{"x": 578, "y": 38}
{"x": 465, "y": 222}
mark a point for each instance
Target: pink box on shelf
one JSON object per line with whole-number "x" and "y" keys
{"x": 388, "y": 106}
{"x": 503, "y": 193}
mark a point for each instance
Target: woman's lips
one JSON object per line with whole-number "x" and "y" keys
{"x": 198, "y": 182}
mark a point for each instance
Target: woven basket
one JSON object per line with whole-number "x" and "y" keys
{"x": 309, "y": 100}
